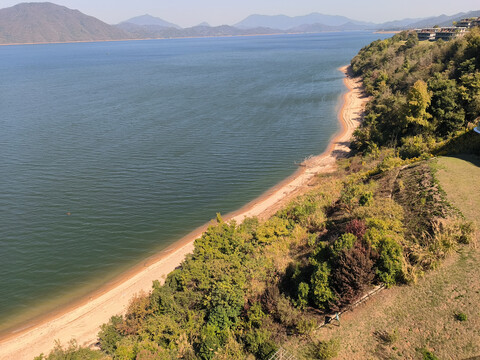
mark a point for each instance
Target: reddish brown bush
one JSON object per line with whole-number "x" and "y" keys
{"x": 352, "y": 274}
{"x": 270, "y": 298}
{"x": 357, "y": 228}
{"x": 138, "y": 310}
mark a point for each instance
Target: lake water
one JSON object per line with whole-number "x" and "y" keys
{"x": 112, "y": 151}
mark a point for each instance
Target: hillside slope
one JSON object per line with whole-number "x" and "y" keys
{"x": 47, "y": 22}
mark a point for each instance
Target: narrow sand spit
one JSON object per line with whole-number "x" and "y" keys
{"x": 81, "y": 321}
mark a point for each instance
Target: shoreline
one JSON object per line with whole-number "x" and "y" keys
{"x": 81, "y": 320}
{"x": 180, "y": 37}
{"x": 144, "y": 39}
{"x": 387, "y": 31}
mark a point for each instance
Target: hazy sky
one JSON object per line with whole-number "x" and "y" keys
{"x": 218, "y": 12}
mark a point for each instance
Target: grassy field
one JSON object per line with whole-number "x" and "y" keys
{"x": 440, "y": 313}
{"x": 460, "y": 178}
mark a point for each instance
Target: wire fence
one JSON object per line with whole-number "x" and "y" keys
{"x": 329, "y": 318}
{"x": 282, "y": 354}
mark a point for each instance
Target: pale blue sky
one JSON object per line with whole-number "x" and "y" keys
{"x": 218, "y": 12}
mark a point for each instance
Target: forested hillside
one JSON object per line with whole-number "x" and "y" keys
{"x": 424, "y": 94}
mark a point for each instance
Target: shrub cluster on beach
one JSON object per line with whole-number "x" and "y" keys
{"x": 248, "y": 288}
{"x": 425, "y": 95}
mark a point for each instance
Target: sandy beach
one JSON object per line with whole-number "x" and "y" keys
{"x": 81, "y": 321}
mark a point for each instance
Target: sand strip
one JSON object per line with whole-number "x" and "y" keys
{"x": 81, "y": 321}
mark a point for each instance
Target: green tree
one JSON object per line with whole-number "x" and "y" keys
{"x": 445, "y": 107}
{"x": 470, "y": 94}
{"x": 418, "y": 100}
{"x": 412, "y": 40}
{"x": 303, "y": 291}
{"x": 259, "y": 342}
{"x": 344, "y": 243}
{"x": 209, "y": 342}
{"x": 322, "y": 294}
{"x": 109, "y": 335}
{"x": 472, "y": 48}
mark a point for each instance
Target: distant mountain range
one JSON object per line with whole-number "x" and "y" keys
{"x": 149, "y": 27}
{"x": 161, "y": 32}
{"x": 47, "y": 22}
{"x": 442, "y": 20}
{"x": 283, "y": 22}
{"x": 317, "y": 22}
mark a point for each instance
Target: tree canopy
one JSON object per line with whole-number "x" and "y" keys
{"x": 424, "y": 93}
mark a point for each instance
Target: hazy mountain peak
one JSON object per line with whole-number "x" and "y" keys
{"x": 149, "y": 20}
{"x": 48, "y": 22}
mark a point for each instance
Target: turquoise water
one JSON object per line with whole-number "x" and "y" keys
{"x": 112, "y": 151}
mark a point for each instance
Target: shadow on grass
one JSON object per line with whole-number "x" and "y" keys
{"x": 467, "y": 143}
{"x": 471, "y": 158}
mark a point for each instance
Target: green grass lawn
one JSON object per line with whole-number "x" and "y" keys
{"x": 403, "y": 322}
{"x": 460, "y": 178}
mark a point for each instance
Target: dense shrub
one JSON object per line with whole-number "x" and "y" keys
{"x": 309, "y": 210}
{"x": 413, "y": 146}
{"x": 273, "y": 228}
{"x": 356, "y": 193}
{"x": 259, "y": 343}
{"x": 72, "y": 352}
{"x": 303, "y": 295}
{"x": 461, "y": 316}
{"x": 326, "y": 350}
{"x": 321, "y": 293}
{"x": 353, "y": 273}
{"x": 428, "y": 355}
{"x": 343, "y": 244}
{"x": 389, "y": 264}
{"x": 109, "y": 335}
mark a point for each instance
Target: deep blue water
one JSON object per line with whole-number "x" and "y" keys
{"x": 112, "y": 151}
